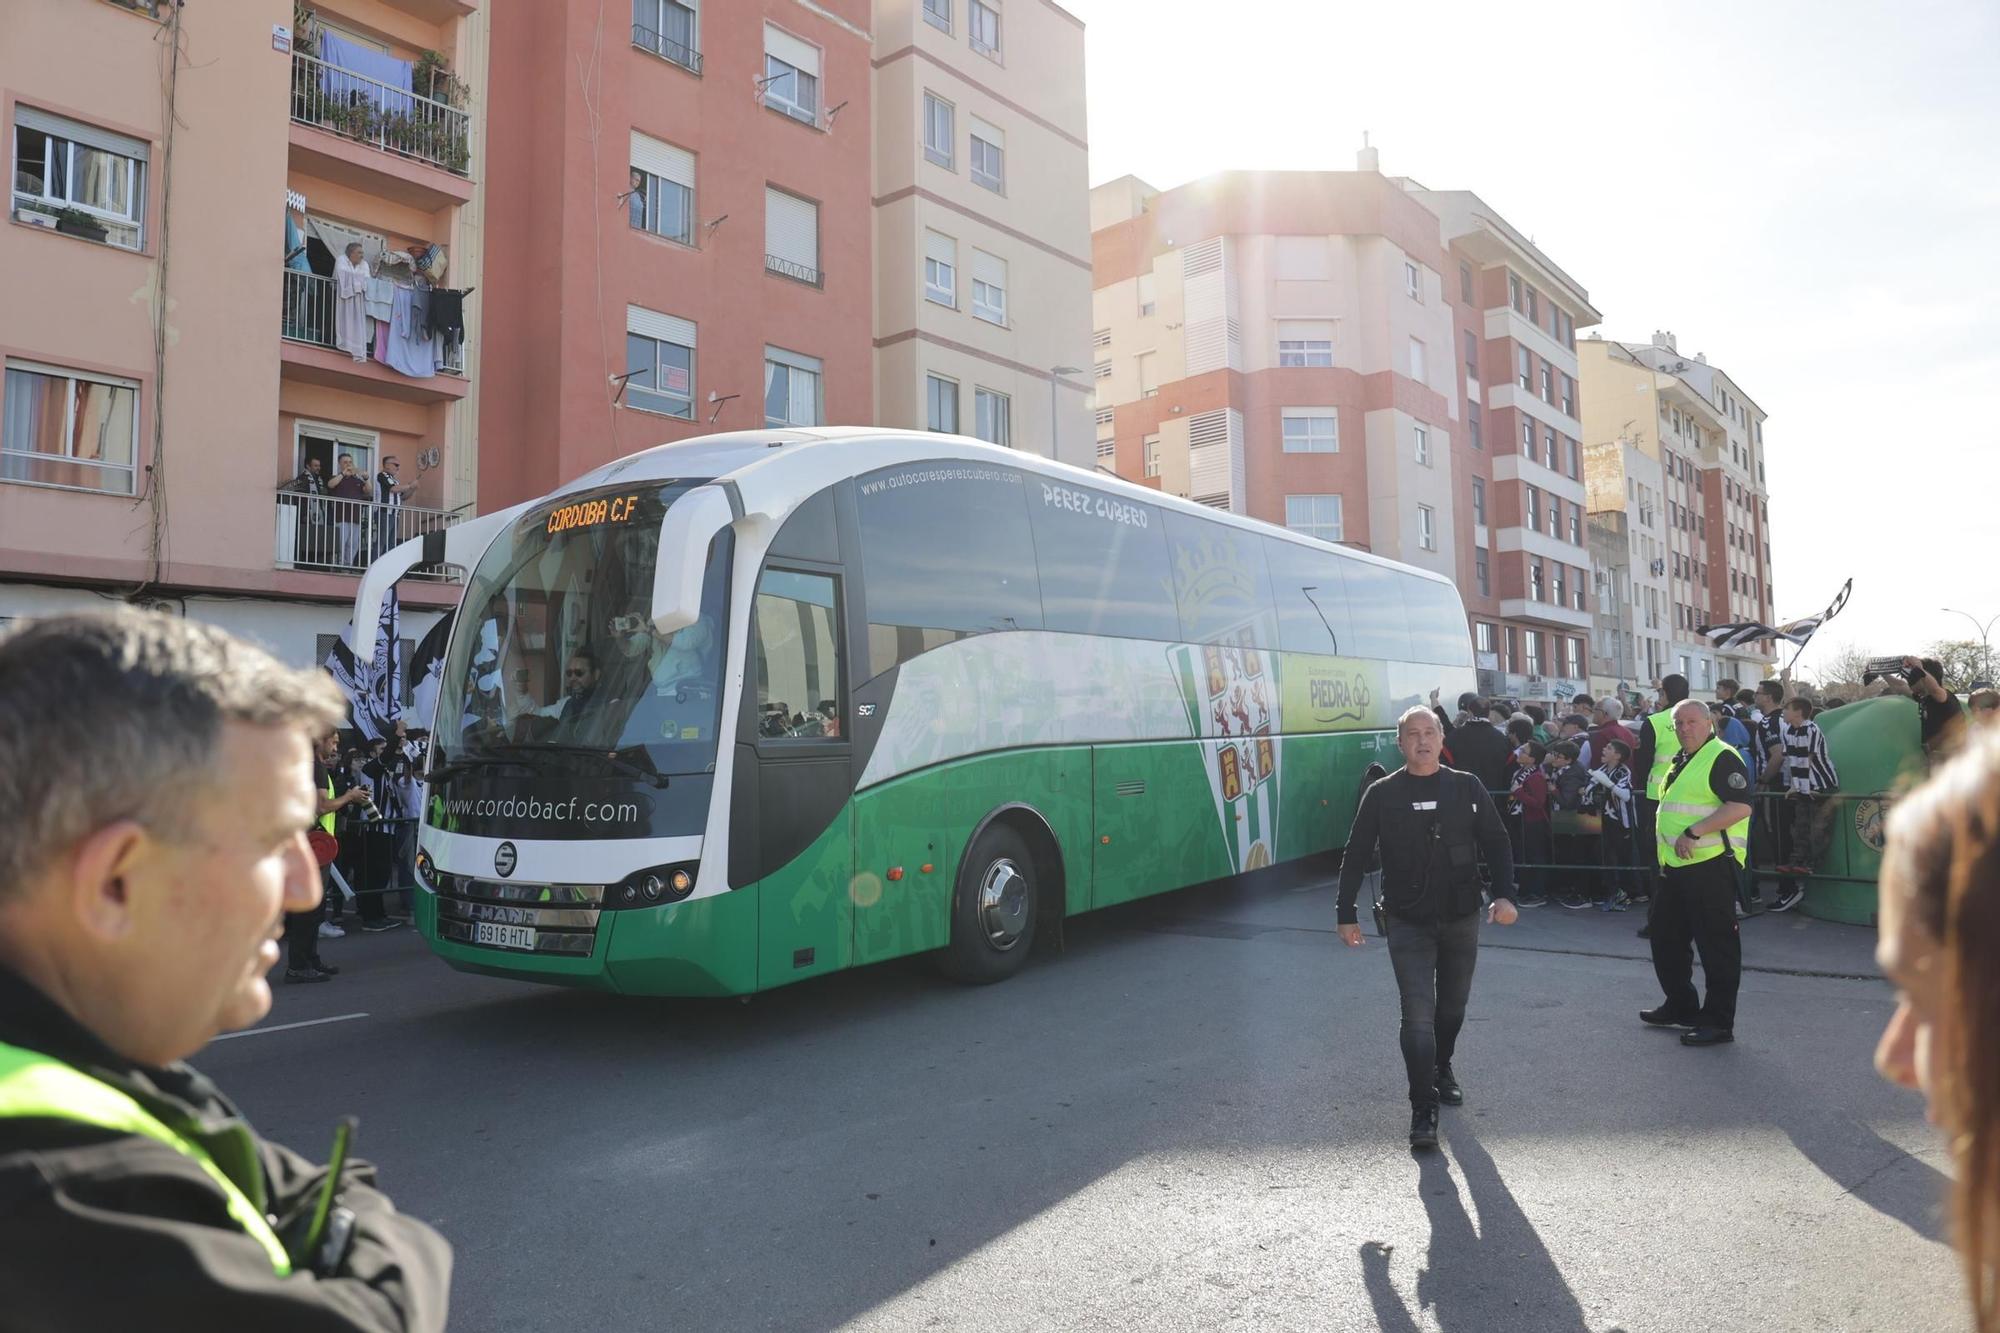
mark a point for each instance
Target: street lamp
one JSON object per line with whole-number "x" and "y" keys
{"x": 1055, "y": 374}
{"x": 1985, "y": 652}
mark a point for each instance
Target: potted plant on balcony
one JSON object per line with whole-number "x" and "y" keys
{"x": 76, "y": 222}
{"x": 432, "y": 78}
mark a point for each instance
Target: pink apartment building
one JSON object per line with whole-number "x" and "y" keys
{"x": 172, "y": 316}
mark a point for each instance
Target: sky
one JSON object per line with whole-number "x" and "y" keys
{"x": 1808, "y": 193}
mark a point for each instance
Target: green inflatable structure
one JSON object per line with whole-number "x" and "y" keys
{"x": 1876, "y": 748}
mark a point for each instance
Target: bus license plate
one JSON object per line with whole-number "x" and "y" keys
{"x": 507, "y": 937}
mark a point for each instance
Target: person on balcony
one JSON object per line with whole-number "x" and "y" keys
{"x": 313, "y": 546}
{"x": 390, "y": 488}
{"x": 350, "y": 322}
{"x": 349, "y": 512}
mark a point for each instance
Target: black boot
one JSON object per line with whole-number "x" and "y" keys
{"x": 1447, "y": 1087}
{"x": 1424, "y": 1127}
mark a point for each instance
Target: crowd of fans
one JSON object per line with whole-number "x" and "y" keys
{"x": 1568, "y": 782}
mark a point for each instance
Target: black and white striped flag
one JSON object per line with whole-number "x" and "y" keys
{"x": 374, "y": 689}
{"x": 1795, "y": 631}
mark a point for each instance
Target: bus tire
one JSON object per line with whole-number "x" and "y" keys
{"x": 993, "y": 909}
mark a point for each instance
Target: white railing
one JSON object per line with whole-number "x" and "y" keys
{"x": 309, "y": 315}
{"x": 378, "y": 114}
{"x": 333, "y": 534}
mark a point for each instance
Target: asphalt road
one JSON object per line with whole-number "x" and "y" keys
{"x": 1191, "y": 1119}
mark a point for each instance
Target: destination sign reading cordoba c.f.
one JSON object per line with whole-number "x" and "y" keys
{"x": 591, "y": 513}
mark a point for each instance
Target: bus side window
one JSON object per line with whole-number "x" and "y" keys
{"x": 799, "y": 685}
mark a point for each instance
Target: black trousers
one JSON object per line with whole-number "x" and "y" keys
{"x": 1695, "y": 908}
{"x": 1615, "y": 854}
{"x": 302, "y": 932}
{"x": 1433, "y": 962}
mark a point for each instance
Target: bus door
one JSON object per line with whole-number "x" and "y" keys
{"x": 790, "y": 828}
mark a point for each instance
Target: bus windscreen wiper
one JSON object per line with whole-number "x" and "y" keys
{"x": 613, "y": 757}
{"x": 466, "y": 763}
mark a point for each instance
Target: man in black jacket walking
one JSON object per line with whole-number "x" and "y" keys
{"x": 157, "y": 776}
{"x": 1430, "y": 824}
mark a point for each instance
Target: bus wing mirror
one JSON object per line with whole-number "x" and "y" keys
{"x": 690, "y": 524}
{"x": 461, "y": 544}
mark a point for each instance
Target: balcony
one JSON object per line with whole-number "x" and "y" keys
{"x": 326, "y": 534}
{"x": 666, "y": 48}
{"x": 361, "y": 132}
{"x": 797, "y": 272}
{"x": 306, "y": 325}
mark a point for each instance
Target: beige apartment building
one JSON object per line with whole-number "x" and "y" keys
{"x": 1633, "y": 642}
{"x": 1706, "y": 437}
{"x": 1366, "y": 361}
{"x": 176, "y": 349}
{"x": 982, "y": 223}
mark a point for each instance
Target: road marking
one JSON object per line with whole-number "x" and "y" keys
{"x": 287, "y": 1027}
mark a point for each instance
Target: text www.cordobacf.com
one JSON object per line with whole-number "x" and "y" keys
{"x": 575, "y": 810}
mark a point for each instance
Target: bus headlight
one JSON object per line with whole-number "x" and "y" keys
{"x": 654, "y": 886}
{"x": 426, "y": 872}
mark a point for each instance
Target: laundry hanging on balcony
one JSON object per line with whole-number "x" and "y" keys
{"x": 383, "y": 81}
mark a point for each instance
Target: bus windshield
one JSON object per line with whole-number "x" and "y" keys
{"x": 556, "y": 653}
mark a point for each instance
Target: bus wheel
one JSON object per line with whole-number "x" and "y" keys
{"x": 993, "y": 909}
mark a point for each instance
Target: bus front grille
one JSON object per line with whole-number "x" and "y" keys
{"x": 519, "y": 918}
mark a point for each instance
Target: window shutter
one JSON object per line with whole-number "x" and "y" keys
{"x": 991, "y": 134}
{"x": 652, "y": 324}
{"x": 791, "y": 228}
{"x": 797, "y": 54}
{"x": 989, "y": 270}
{"x": 664, "y": 160}
{"x": 28, "y": 118}
{"x": 941, "y": 248}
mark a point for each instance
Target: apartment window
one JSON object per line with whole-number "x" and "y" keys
{"x": 1514, "y": 290}
{"x": 1576, "y": 525}
{"x": 941, "y": 276}
{"x": 982, "y": 27}
{"x": 1310, "y": 430}
{"x": 1575, "y": 656}
{"x": 989, "y": 156}
{"x": 1151, "y": 448}
{"x": 1549, "y": 440}
{"x": 1548, "y": 383}
{"x": 941, "y": 402}
{"x": 1465, "y": 283}
{"x": 993, "y": 418}
{"x": 1555, "y": 517}
{"x": 791, "y": 236}
{"x": 659, "y": 363}
{"x": 1427, "y": 528}
{"x": 1524, "y": 368}
{"x": 1472, "y": 432}
{"x": 62, "y": 165}
{"x": 1534, "y": 649}
{"x": 1482, "y": 573}
{"x": 1148, "y": 386}
{"x": 792, "y": 395}
{"x": 1314, "y": 516}
{"x": 1417, "y": 366}
{"x": 662, "y": 197}
{"x": 1423, "y": 443}
{"x": 1534, "y": 307}
{"x": 1305, "y": 342}
{"x": 1534, "y": 508}
{"x": 939, "y": 134}
{"x": 1413, "y": 281}
{"x": 1482, "y": 632}
{"x": 989, "y": 287}
{"x": 1147, "y": 302}
{"x": 1471, "y": 355}
{"x": 1562, "y": 585}
{"x": 69, "y": 428}
{"x": 1527, "y": 434}
{"x": 1573, "y": 456}
{"x": 791, "y": 75}
{"x": 1568, "y": 396}
{"x": 1479, "y": 500}
{"x": 937, "y": 13}
{"x": 668, "y": 29}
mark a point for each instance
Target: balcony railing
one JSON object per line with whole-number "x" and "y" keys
{"x": 378, "y": 114}
{"x": 333, "y": 535}
{"x": 309, "y": 318}
{"x": 666, "y": 48}
{"x": 794, "y": 270}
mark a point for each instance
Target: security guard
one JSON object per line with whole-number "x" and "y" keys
{"x": 1703, "y": 839}
{"x": 157, "y": 776}
{"x": 1655, "y": 755}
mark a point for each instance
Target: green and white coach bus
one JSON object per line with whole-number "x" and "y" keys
{"x": 750, "y": 708}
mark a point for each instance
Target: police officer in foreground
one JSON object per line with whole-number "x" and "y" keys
{"x": 157, "y": 779}
{"x": 1430, "y": 824}
{"x": 1703, "y": 836}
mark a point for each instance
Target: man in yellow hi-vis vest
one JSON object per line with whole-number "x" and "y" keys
{"x": 1655, "y": 755}
{"x": 157, "y": 779}
{"x": 1703, "y": 838}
